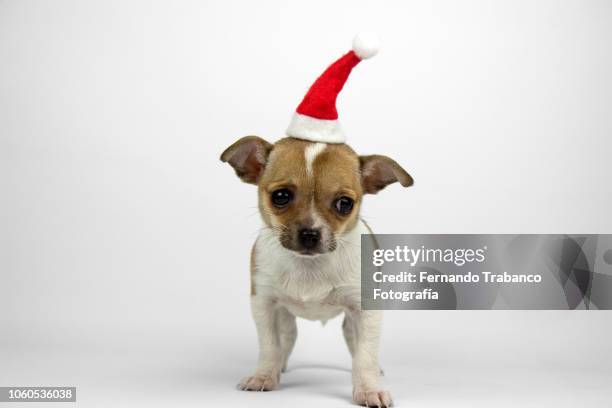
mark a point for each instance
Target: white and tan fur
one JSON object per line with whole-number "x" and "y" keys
{"x": 320, "y": 284}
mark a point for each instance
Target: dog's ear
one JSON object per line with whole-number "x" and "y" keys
{"x": 248, "y": 157}
{"x": 377, "y": 172}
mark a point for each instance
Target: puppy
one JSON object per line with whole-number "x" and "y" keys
{"x": 306, "y": 260}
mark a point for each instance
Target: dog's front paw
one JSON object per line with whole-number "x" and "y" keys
{"x": 372, "y": 398}
{"x": 259, "y": 382}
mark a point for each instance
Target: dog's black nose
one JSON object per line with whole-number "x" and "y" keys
{"x": 309, "y": 238}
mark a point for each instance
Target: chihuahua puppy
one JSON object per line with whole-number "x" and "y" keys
{"x": 306, "y": 260}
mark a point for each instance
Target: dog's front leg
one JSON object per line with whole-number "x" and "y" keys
{"x": 270, "y": 362}
{"x": 366, "y": 369}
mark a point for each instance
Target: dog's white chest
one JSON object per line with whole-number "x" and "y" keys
{"x": 307, "y": 293}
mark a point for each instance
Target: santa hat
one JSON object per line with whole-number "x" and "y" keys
{"x": 316, "y": 118}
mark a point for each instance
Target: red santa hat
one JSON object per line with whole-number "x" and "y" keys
{"x": 316, "y": 118}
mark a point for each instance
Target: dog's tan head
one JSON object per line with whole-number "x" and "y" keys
{"x": 310, "y": 193}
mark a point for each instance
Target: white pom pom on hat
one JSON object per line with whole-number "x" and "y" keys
{"x": 316, "y": 118}
{"x": 366, "y": 45}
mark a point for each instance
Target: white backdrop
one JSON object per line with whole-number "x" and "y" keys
{"x": 124, "y": 241}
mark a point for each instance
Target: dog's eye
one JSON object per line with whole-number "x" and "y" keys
{"x": 344, "y": 205}
{"x": 282, "y": 197}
